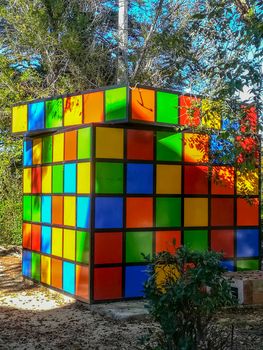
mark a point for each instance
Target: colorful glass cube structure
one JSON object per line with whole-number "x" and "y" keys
{"x": 107, "y": 180}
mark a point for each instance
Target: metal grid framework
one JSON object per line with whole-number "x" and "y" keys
{"x": 115, "y": 105}
{"x": 98, "y": 195}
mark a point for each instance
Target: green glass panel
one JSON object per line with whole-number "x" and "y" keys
{"x": 36, "y": 266}
{"x": 57, "y": 179}
{"x": 196, "y": 240}
{"x": 54, "y": 113}
{"x": 169, "y": 146}
{"x": 109, "y": 178}
{"x": 27, "y": 208}
{"x": 138, "y": 244}
{"x": 84, "y": 143}
{"x": 36, "y": 208}
{"x": 83, "y": 247}
{"x": 116, "y": 104}
{"x": 249, "y": 264}
{"x": 167, "y": 108}
{"x": 47, "y": 149}
{"x": 168, "y": 212}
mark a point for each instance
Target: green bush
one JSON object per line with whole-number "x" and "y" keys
{"x": 184, "y": 291}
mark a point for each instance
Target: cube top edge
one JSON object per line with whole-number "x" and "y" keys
{"x": 118, "y": 104}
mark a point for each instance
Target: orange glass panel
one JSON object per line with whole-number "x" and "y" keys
{"x": 56, "y": 273}
{"x": 167, "y": 241}
{"x": 82, "y": 281}
{"x": 94, "y": 107}
{"x": 139, "y": 212}
{"x": 189, "y": 111}
{"x": 27, "y": 236}
{"x": 71, "y": 145}
{"x": 196, "y": 148}
{"x": 222, "y": 180}
{"x": 143, "y": 104}
{"x": 37, "y": 151}
{"x": 247, "y": 212}
{"x": 57, "y": 210}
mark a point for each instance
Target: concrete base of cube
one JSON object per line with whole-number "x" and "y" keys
{"x": 247, "y": 286}
{"x": 119, "y": 311}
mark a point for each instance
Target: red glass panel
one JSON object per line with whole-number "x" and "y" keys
{"x": 36, "y": 180}
{"x": 223, "y": 241}
{"x": 36, "y": 237}
{"x": 108, "y": 248}
{"x": 222, "y": 212}
{"x": 107, "y": 283}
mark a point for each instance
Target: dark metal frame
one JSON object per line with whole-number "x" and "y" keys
{"x": 92, "y": 196}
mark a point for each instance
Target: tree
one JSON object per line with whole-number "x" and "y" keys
{"x": 50, "y": 47}
{"x": 46, "y": 48}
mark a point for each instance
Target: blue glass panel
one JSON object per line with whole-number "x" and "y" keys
{"x": 221, "y": 150}
{"x": 139, "y": 178}
{"x": 46, "y": 209}
{"x": 83, "y": 212}
{"x": 228, "y": 265}
{"x": 46, "y": 240}
{"x": 26, "y": 263}
{"x": 36, "y": 116}
{"x": 227, "y": 124}
{"x": 69, "y": 277}
{"x": 135, "y": 277}
{"x": 247, "y": 243}
{"x": 27, "y": 153}
{"x": 70, "y": 178}
{"x": 108, "y": 212}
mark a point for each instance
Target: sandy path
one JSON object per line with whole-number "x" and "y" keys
{"x": 32, "y": 317}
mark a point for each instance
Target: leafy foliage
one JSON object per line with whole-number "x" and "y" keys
{"x": 184, "y": 302}
{"x": 50, "y": 47}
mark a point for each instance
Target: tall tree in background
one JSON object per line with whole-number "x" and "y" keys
{"x": 47, "y": 47}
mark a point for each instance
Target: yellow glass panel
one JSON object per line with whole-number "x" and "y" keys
{"x": 19, "y": 118}
{"x": 69, "y": 244}
{"x": 211, "y": 118}
{"x": 46, "y": 179}
{"x": 109, "y": 143}
{"x": 247, "y": 183}
{"x": 45, "y": 269}
{"x": 73, "y": 110}
{"x": 58, "y": 147}
{"x": 195, "y": 212}
{"x": 37, "y": 151}
{"x": 69, "y": 211}
{"x": 27, "y": 175}
{"x": 165, "y": 274}
{"x": 196, "y": 148}
{"x": 57, "y": 241}
{"x": 168, "y": 179}
{"x": 83, "y": 182}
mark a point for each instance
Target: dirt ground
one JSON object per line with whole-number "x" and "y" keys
{"x": 32, "y": 317}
